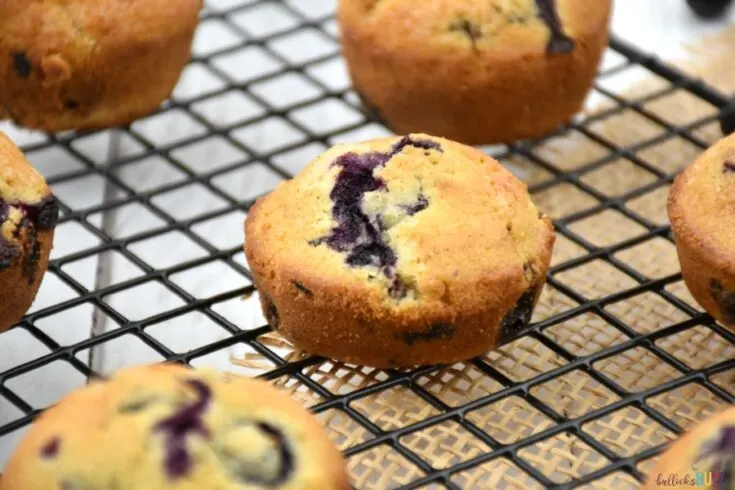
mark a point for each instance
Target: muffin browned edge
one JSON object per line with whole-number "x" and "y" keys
{"x": 341, "y": 325}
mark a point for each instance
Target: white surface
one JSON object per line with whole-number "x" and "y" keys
{"x": 659, "y": 26}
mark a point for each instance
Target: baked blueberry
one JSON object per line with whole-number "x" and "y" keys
{"x": 519, "y": 317}
{"x": 415, "y": 250}
{"x": 360, "y": 235}
{"x": 179, "y": 425}
{"x": 559, "y": 42}
{"x": 51, "y": 449}
{"x": 166, "y": 427}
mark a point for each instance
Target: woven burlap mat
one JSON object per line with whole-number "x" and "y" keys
{"x": 639, "y": 181}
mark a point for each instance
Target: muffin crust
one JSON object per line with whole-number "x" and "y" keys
{"x": 86, "y": 64}
{"x": 471, "y": 71}
{"x": 398, "y": 252}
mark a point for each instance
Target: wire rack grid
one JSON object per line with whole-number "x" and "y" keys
{"x": 148, "y": 265}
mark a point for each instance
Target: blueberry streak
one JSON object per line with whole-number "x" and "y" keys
{"x": 559, "y": 43}
{"x": 360, "y": 236}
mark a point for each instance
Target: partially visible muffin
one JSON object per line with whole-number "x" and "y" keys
{"x": 702, "y": 211}
{"x": 477, "y": 72}
{"x": 86, "y": 64}
{"x": 168, "y": 427}
{"x": 28, "y": 215}
{"x": 399, "y": 252}
{"x": 703, "y": 458}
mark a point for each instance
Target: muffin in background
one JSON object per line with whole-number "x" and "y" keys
{"x": 478, "y": 72}
{"x": 701, "y": 208}
{"x": 87, "y": 64}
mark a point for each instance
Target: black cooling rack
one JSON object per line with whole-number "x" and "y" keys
{"x": 248, "y": 57}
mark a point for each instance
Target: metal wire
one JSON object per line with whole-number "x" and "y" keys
{"x": 118, "y": 193}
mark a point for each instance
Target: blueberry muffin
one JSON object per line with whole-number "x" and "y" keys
{"x": 164, "y": 427}
{"x": 703, "y": 458}
{"x": 85, "y": 64}
{"x": 28, "y": 214}
{"x": 477, "y": 72}
{"x": 702, "y": 211}
{"x": 399, "y": 252}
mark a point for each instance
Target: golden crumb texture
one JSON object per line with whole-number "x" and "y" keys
{"x": 433, "y": 254}
{"x": 701, "y": 208}
{"x": 163, "y": 427}
{"x": 86, "y": 64}
{"x": 28, "y": 215}
{"x": 474, "y": 71}
{"x": 702, "y": 452}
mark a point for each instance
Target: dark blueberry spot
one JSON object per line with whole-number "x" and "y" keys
{"x": 559, "y": 43}
{"x": 71, "y": 104}
{"x": 22, "y": 64}
{"x": 472, "y": 31}
{"x": 51, "y": 449}
{"x": 728, "y": 167}
{"x": 398, "y": 288}
{"x": 43, "y": 214}
{"x": 271, "y": 313}
{"x": 176, "y": 428}
{"x": 409, "y": 141}
{"x": 9, "y": 253}
{"x": 270, "y": 466}
{"x": 721, "y": 452}
{"x": 360, "y": 236}
{"x": 32, "y": 253}
{"x": 517, "y": 319}
{"x": 724, "y": 299}
{"x": 435, "y": 332}
{"x": 709, "y": 9}
{"x": 302, "y": 288}
{"x": 421, "y": 203}
{"x": 284, "y": 455}
{"x": 40, "y": 216}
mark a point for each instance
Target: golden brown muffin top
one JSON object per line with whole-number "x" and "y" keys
{"x": 702, "y": 204}
{"x": 403, "y": 222}
{"x": 501, "y": 28}
{"x": 23, "y": 195}
{"x": 19, "y": 181}
{"x": 66, "y": 35}
{"x": 163, "y": 427}
{"x": 98, "y": 21}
